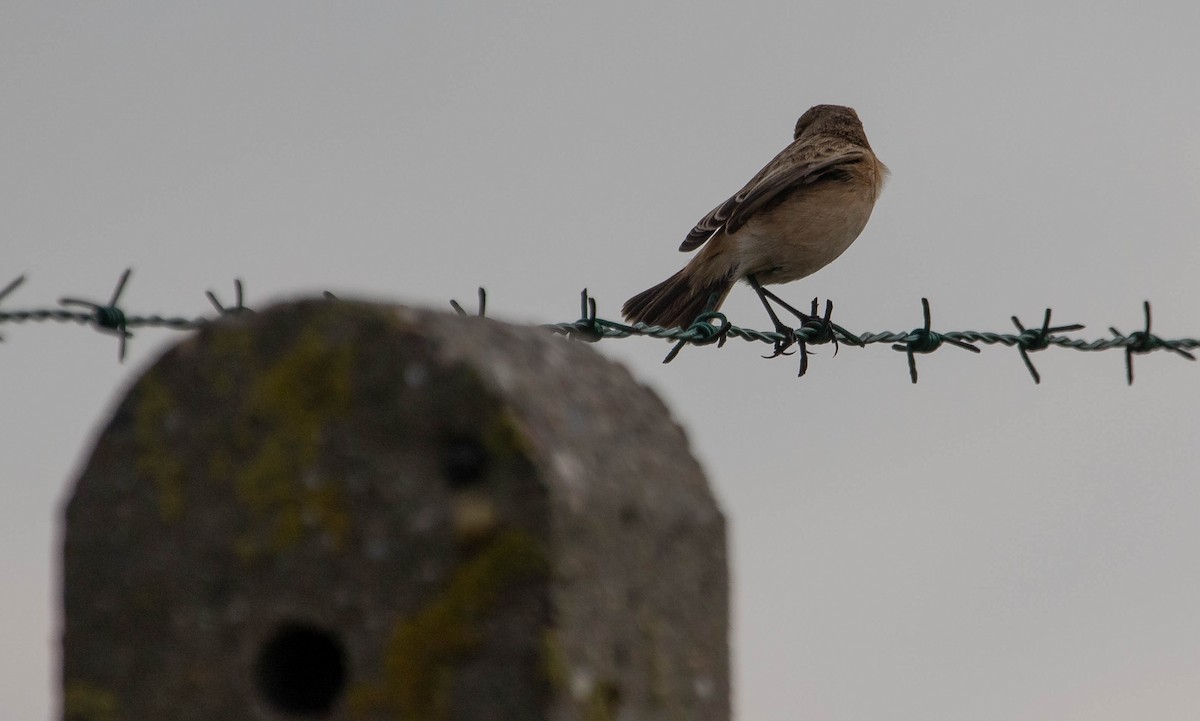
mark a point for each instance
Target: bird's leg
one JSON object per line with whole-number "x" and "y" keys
{"x": 824, "y": 327}
{"x": 804, "y": 317}
{"x": 788, "y": 333}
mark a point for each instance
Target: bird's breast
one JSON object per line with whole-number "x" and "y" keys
{"x": 805, "y": 232}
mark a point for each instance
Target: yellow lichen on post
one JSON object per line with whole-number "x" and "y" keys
{"x": 602, "y": 702}
{"x": 502, "y": 438}
{"x": 296, "y": 398}
{"x": 554, "y": 661}
{"x": 425, "y": 650}
{"x": 89, "y": 702}
{"x": 156, "y": 460}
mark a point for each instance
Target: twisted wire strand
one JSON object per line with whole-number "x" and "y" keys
{"x": 71, "y": 316}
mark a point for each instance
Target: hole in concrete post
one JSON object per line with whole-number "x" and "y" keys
{"x": 464, "y": 462}
{"x": 302, "y": 670}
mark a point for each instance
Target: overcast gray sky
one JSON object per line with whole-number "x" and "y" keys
{"x": 972, "y": 547}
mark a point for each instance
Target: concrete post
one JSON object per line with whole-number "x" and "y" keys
{"x": 335, "y": 510}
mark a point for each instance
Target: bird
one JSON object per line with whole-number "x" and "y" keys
{"x": 797, "y": 215}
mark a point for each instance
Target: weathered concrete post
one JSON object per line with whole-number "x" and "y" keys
{"x": 335, "y": 510}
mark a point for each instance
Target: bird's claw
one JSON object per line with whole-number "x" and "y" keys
{"x": 787, "y": 341}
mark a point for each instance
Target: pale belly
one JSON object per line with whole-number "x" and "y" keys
{"x": 797, "y": 239}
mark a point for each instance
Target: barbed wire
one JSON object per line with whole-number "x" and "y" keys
{"x": 708, "y": 329}
{"x": 111, "y": 318}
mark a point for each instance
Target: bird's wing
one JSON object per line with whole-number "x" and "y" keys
{"x": 795, "y": 167}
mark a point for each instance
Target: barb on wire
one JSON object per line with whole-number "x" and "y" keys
{"x": 1035, "y": 340}
{"x": 482, "y": 305}
{"x": 108, "y": 317}
{"x": 924, "y": 340}
{"x": 1143, "y": 341}
{"x": 16, "y": 283}
{"x": 238, "y": 306}
{"x": 586, "y": 329}
{"x": 819, "y": 329}
{"x": 710, "y": 328}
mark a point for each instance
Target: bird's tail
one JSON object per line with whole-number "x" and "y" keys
{"x": 675, "y": 302}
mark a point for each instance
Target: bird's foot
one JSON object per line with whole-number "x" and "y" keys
{"x": 820, "y": 330}
{"x": 815, "y": 328}
{"x": 787, "y": 340}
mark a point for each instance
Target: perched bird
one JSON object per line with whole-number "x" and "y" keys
{"x": 795, "y": 217}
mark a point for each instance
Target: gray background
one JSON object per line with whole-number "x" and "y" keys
{"x": 971, "y": 547}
